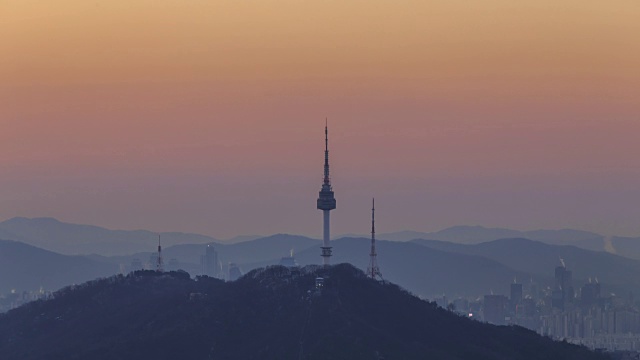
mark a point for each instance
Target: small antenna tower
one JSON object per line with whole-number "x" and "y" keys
{"x": 373, "y": 271}
{"x": 160, "y": 264}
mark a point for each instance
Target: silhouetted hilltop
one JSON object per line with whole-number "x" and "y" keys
{"x": 267, "y": 314}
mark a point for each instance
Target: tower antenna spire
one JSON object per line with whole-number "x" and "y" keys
{"x": 327, "y": 178}
{"x": 326, "y": 201}
{"x": 373, "y": 271}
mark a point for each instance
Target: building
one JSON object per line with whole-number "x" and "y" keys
{"x": 209, "y": 262}
{"x": 289, "y": 261}
{"x": 590, "y": 294}
{"x": 515, "y": 297}
{"x": 563, "y": 293}
{"x": 495, "y": 309}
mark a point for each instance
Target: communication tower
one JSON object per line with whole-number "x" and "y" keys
{"x": 160, "y": 264}
{"x": 326, "y": 203}
{"x": 373, "y": 271}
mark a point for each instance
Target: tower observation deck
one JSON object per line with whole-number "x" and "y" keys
{"x": 326, "y": 202}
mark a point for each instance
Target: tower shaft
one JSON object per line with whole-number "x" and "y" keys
{"x": 326, "y": 237}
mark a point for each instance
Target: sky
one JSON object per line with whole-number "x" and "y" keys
{"x": 208, "y": 116}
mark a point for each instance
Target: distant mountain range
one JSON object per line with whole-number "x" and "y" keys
{"x": 426, "y": 267}
{"x": 268, "y": 314}
{"x": 479, "y": 234}
{"x": 423, "y": 271}
{"x": 74, "y": 239}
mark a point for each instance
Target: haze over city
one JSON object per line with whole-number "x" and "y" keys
{"x": 208, "y": 117}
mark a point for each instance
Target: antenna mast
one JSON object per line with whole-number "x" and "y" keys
{"x": 373, "y": 271}
{"x": 159, "y": 265}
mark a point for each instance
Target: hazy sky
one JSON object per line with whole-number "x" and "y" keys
{"x": 207, "y": 116}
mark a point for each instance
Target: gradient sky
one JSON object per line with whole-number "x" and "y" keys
{"x": 207, "y": 116}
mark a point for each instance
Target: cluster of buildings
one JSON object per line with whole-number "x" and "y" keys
{"x": 585, "y": 316}
{"x": 210, "y": 265}
{"x": 15, "y": 298}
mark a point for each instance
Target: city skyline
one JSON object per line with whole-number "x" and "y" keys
{"x": 201, "y": 118}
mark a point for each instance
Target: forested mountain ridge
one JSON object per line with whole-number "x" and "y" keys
{"x": 271, "y": 313}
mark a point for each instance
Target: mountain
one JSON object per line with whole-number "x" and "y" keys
{"x": 267, "y": 314}
{"x": 74, "y": 239}
{"x": 424, "y": 271}
{"x": 624, "y": 246}
{"x": 535, "y": 257}
{"x": 242, "y": 238}
{"x": 478, "y": 234}
{"x": 24, "y": 267}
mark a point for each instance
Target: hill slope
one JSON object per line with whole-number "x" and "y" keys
{"x": 24, "y": 267}
{"x": 265, "y": 315}
{"x": 424, "y": 271}
{"x": 539, "y": 258}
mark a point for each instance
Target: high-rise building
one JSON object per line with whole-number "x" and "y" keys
{"x": 590, "y": 294}
{"x": 494, "y": 309}
{"x": 209, "y": 262}
{"x": 563, "y": 293}
{"x": 515, "y": 296}
{"x": 326, "y": 202}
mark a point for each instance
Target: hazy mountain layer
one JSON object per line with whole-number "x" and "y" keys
{"x": 268, "y": 314}
{"x": 479, "y": 234}
{"x": 432, "y": 270}
{"x": 424, "y": 271}
{"x": 65, "y": 238}
{"x": 535, "y": 257}
{"x": 73, "y": 239}
{"x": 25, "y": 267}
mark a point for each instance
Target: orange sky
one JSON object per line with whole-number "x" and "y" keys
{"x": 205, "y": 115}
